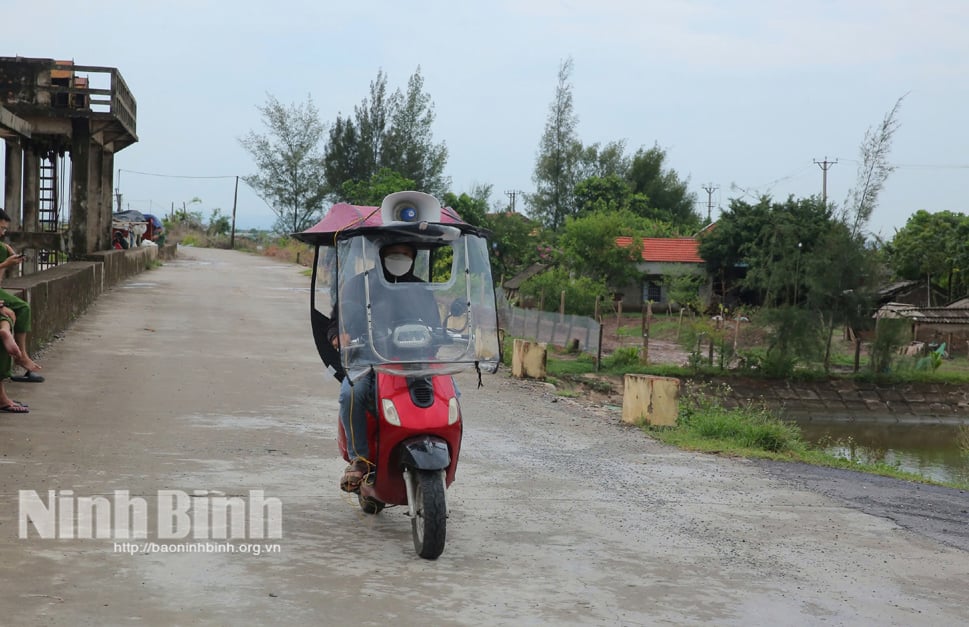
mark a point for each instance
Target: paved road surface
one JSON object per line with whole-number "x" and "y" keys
{"x": 201, "y": 376}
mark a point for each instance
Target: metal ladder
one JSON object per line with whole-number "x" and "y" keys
{"x": 48, "y": 208}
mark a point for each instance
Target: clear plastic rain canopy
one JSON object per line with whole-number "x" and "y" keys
{"x": 438, "y": 318}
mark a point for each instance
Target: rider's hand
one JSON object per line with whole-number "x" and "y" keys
{"x": 342, "y": 339}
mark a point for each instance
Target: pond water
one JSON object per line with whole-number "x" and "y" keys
{"x": 937, "y": 449}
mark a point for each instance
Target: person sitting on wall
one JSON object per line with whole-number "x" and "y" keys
{"x": 8, "y": 259}
{"x": 10, "y": 353}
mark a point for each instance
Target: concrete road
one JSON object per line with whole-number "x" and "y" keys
{"x": 200, "y": 378}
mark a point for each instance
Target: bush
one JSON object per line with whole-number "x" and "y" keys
{"x": 890, "y": 335}
{"x": 794, "y": 337}
{"x": 580, "y": 292}
{"x": 622, "y": 358}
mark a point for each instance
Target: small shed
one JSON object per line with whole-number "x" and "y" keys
{"x": 512, "y": 285}
{"x": 934, "y": 325}
{"x": 912, "y": 293}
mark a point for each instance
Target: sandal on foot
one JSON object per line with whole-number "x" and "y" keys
{"x": 353, "y": 475}
{"x": 15, "y": 409}
{"x": 28, "y": 377}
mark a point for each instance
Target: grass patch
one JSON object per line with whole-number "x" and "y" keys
{"x": 564, "y": 367}
{"x": 754, "y": 431}
{"x": 704, "y": 424}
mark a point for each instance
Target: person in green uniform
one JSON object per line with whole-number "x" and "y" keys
{"x": 8, "y": 355}
{"x": 21, "y": 308}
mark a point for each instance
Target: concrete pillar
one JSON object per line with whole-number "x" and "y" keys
{"x": 528, "y": 359}
{"x": 96, "y": 205}
{"x": 80, "y": 243}
{"x": 31, "y": 191}
{"x": 94, "y": 197}
{"x": 107, "y": 200}
{"x": 31, "y": 204}
{"x": 651, "y": 399}
{"x": 13, "y": 181}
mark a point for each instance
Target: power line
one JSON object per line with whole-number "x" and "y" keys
{"x": 175, "y": 176}
{"x": 923, "y": 166}
{"x": 181, "y": 176}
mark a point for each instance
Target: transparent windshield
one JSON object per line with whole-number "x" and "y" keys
{"x": 436, "y": 317}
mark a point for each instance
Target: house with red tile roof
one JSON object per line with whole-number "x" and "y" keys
{"x": 662, "y": 257}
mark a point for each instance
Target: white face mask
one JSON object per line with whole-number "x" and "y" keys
{"x": 398, "y": 264}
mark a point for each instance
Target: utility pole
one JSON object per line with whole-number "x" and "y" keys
{"x": 709, "y": 188}
{"x": 235, "y": 201}
{"x": 117, "y": 191}
{"x": 512, "y": 195}
{"x": 825, "y": 166}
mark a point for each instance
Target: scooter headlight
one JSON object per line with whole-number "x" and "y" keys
{"x": 453, "y": 411}
{"x": 390, "y": 412}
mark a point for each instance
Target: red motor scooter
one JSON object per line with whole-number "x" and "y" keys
{"x": 415, "y": 434}
{"x": 415, "y": 441}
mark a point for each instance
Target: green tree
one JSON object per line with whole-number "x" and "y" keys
{"x": 343, "y": 159}
{"x": 794, "y": 337}
{"x": 513, "y": 242}
{"x": 843, "y": 270}
{"x": 387, "y": 131}
{"x": 608, "y": 160}
{"x": 409, "y": 147}
{"x": 773, "y": 241}
{"x": 589, "y": 246}
{"x": 608, "y": 193}
{"x": 873, "y": 170}
{"x": 289, "y": 163}
{"x": 933, "y": 246}
{"x": 471, "y": 207}
{"x": 667, "y": 197}
{"x": 219, "y": 224}
{"x": 841, "y": 276}
{"x": 683, "y": 288}
{"x": 580, "y": 292}
{"x": 557, "y": 168}
{"x": 371, "y": 192}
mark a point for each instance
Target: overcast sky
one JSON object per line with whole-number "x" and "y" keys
{"x": 745, "y": 95}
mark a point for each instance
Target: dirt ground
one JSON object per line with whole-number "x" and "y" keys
{"x": 607, "y": 389}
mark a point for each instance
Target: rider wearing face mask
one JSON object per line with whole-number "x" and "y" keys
{"x": 397, "y": 262}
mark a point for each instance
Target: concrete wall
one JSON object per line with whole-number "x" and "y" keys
{"x": 59, "y": 295}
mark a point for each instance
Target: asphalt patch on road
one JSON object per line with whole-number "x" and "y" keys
{"x": 935, "y": 512}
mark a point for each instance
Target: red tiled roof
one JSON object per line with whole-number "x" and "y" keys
{"x": 678, "y": 249}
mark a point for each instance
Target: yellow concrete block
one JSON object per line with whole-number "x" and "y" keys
{"x": 650, "y": 398}
{"x": 528, "y": 359}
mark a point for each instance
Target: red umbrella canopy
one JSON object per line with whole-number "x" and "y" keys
{"x": 344, "y": 218}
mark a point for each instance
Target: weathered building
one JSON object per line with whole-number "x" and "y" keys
{"x": 55, "y": 114}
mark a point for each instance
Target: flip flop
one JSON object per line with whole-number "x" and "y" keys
{"x": 15, "y": 409}
{"x": 28, "y": 377}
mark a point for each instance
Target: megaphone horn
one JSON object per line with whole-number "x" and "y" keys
{"x": 410, "y": 207}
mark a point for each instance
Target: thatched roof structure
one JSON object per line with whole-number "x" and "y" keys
{"x": 926, "y": 315}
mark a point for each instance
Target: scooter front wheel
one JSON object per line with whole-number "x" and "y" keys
{"x": 429, "y": 522}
